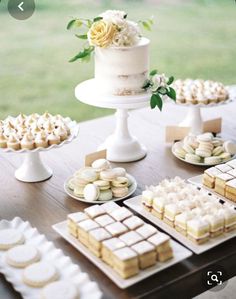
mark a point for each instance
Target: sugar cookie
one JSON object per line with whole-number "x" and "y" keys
{"x": 22, "y": 256}
{"x": 10, "y": 238}
{"x": 39, "y": 274}
{"x": 60, "y": 290}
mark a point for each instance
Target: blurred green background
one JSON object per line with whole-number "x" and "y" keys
{"x": 190, "y": 39}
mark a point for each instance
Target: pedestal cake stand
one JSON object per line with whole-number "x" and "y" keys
{"x": 194, "y": 120}
{"x": 33, "y": 169}
{"x": 121, "y": 146}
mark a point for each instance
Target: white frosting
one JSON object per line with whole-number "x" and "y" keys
{"x": 143, "y": 247}
{"x": 122, "y": 70}
{"x": 110, "y": 206}
{"x": 133, "y": 222}
{"x": 131, "y": 238}
{"x": 125, "y": 253}
{"x": 22, "y": 254}
{"x": 77, "y": 217}
{"x": 146, "y": 230}
{"x": 116, "y": 228}
{"x": 104, "y": 220}
{"x": 10, "y": 237}
{"x": 94, "y": 211}
{"x": 40, "y": 273}
{"x": 100, "y": 234}
{"x": 121, "y": 214}
{"x": 113, "y": 244}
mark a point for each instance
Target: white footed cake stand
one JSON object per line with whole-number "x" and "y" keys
{"x": 33, "y": 169}
{"x": 121, "y": 146}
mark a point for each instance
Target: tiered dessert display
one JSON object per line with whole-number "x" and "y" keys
{"x": 100, "y": 183}
{"x": 121, "y": 77}
{"x": 121, "y": 244}
{"x": 197, "y": 94}
{"x": 31, "y": 135}
{"x": 204, "y": 150}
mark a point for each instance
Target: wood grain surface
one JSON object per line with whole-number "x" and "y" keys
{"x": 44, "y": 204}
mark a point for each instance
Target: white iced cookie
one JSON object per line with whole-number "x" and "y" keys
{"x": 60, "y": 290}
{"x": 10, "y": 238}
{"x": 101, "y": 164}
{"x": 91, "y": 192}
{"x": 39, "y": 274}
{"x": 22, "y": 256}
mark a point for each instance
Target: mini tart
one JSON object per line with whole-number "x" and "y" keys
{"x": 13, "y": 143}
{"x": 41, "y": 140}
{"x": 27, "y": 142}
{"x": 53, "y": 139}
{"x": 3, "y": 141}
{"x": 61, "y": 132}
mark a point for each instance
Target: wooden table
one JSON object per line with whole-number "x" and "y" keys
{"x": 44, "y": 204}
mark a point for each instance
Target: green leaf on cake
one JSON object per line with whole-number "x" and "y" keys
{"x": 83, "y": 55}
{"x": 156, "y": 100}
{"x": 171, "y": 93}
{"x": 146, "y": 25}
{"x": 82, "y": 36}
{"x": 147, "y": 84}
{"x": 70, "y": 24}
{"x": 153, "y": 73}
{"x": 162, "y": 90}
{"x": 171, "y": 80}
{"x": 97, "y": 19}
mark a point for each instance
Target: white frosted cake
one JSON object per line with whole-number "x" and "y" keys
{"x": 122, "y": 70}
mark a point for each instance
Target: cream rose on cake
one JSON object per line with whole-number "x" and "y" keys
{"x": 102, "y": 33}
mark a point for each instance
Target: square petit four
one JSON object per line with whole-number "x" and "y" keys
{"x": 216, "y": 223}
{"x": 181, "y": 222}
{"x": 95, "y": 211}
{"x": 159, "y": 204}
{"x": 96, "y": 237}
{"x": 230, "y": 190}
{"x": 108, "y": 247}
{"x": 209, "y": 177}
{"x": 72, "y": 220}
{"x": 121, "y": 214}
{"x": 220, "y": 182}
{"x": 133, "y": 222}
{"x": 229, "y": 215}
{"x": 116, "y": 229}
{"x": 83, "y": 230}
{"x": 198, "y": 230}
{"x": 223, "y": 167}
{"x": 125, "y": 262}
{"x": 110, "y": 206}
{"x": 104, "y": 220}
{"x": 161, "y": 242}
{"x": 171, "y": 210}
{"x": 147, "y": 199}
{"x": 130, "y": 238}
{"x": 146, "y": 254}
{"x": 146, "y": 230}
{"x": 232, "y": 163}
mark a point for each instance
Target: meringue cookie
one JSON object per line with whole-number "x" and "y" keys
{"x": 27, "y": 142}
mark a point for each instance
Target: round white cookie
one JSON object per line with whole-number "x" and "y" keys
{"x": 91, "y": 192}
{"x": 60, "y": 290}
{"x": 9, "y": 238}
{"x": 230, "y": 147}
{"x": 39, "y": 274}
{"x": 22, "y": 256}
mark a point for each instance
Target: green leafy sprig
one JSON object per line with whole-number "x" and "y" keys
{"x": 147, "y": 24}
{"x": 159, "y": 91}
{"x": 86, "y": 52}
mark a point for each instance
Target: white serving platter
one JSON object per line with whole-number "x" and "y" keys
{"x": 179, "y": 143}
{"x": 64, "y": 265}
{"x": 132, "y": 189}
{"x": 197, "y": 180}
{"x": 180, "y": 253}
{"x": 136, "y": 205}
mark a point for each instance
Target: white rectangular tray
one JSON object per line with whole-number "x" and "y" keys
{"x": 67, "y": 270}
{"x": 136, "y": 205}
{"x": 197, "y": 180}
{"x": 180, "y": 253}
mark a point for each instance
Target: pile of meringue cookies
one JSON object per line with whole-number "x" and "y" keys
{"x": 199, "y": 91}
{"x": 205, "y": 148}
{"x": 33, "y": 131}
{"x": 100, "y": 182}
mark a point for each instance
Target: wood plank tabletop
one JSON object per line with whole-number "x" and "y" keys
{"x": 45, "y": 203}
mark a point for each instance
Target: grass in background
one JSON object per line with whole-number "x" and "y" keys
{"x": 190, "y": 39}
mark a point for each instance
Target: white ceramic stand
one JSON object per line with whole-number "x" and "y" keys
{"x": 33, "y": 170}
{"x": 193, "y": 120}
{"x": 121, "y": 146}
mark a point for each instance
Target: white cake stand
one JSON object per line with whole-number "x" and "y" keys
{"x": 33, "y": 169}
{"x": 121, "y": 146}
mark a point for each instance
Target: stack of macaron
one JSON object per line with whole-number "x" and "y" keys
{"x": 205, "y": 149}
{"x": 100, "y": 182}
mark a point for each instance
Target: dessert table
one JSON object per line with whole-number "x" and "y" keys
{"x": 45, "y": 203}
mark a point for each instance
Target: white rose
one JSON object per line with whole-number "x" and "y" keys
{"x": 159, "y": 81}
{"x": 113, "y": 14}
{"x": 128, "y": 34}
